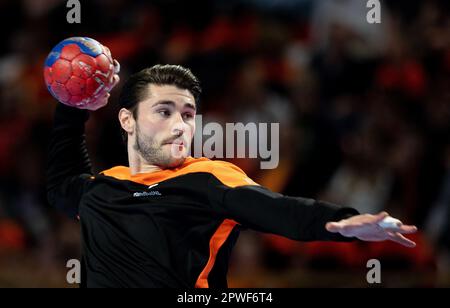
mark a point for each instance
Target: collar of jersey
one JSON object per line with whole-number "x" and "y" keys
{"x": 189, "y": 166}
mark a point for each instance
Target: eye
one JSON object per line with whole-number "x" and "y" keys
{"x": 188, "y": 115}
{"x": 164, "y": 112}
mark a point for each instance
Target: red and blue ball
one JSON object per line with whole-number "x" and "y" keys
{"x": 78, "y": 71}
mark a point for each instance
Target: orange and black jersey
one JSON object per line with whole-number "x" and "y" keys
{"x": 172, "y": 228}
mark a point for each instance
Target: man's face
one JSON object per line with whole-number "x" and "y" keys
{"x": 165, "y": 126}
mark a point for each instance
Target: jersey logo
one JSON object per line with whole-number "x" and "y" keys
{"x": 148, "y": 193}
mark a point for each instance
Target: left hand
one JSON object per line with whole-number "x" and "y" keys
{"x": 365, "y": 227}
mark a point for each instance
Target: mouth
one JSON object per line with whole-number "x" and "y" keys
{"x": 176, "y": 142}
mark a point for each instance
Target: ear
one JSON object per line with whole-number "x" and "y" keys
{"x": 127, "y": 120}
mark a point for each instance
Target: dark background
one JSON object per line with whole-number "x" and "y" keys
{"x": 364, "y": 113}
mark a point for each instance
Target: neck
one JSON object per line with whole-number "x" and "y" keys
{"x": 138, "y": 164}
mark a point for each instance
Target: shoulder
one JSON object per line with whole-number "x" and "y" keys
{"x": 208, "y": 165}
{"x": 227, "y": 173}
{"x": 118, "y": 172}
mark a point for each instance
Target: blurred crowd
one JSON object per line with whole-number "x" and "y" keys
{"x": 364, "y": 113}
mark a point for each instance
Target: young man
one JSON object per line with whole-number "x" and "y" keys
{"x": 170, "y": 220}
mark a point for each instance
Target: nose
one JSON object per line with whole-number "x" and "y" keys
{"x": 179, "y": 126}
{"x": 177, "y": 132}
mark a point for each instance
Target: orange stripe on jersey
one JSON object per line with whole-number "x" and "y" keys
{"x": 216, "y": 242}
{"x": 230, "y": 174}
{"x": 225, "y": 172}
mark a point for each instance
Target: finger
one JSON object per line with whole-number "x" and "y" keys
{"x": 108, "y": 52}
{"x": 116, "y": 67}
{"x": 403, "y": 229}
{"x": 380, "y": 216}
{"x": 333, "y": 227}
{"x": 400, "y": 239}
{"x": 116, "y": 80}
{"x": 100, "y": 103}
{"x": 104, "y": 100}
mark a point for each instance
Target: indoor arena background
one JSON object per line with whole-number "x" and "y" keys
{"x": 364, "y": 113}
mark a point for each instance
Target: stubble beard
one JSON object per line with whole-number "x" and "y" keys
{"x": 153, "y": 153}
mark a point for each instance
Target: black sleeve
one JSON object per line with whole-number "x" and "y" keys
{"x": 68, "y": 164}
{"x": 260, "y": 209}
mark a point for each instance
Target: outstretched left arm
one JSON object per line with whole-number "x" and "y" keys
{"x": 300, "y": 219}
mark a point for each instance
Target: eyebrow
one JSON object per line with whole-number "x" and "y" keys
{"x": 172, "y": 104}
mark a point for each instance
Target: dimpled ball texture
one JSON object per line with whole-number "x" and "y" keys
{"x": 78, "y": 71}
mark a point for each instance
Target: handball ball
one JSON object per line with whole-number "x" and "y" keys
{"x": 78, "y": 71}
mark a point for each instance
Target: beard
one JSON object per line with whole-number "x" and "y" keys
{"x": 153, "y": 153}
